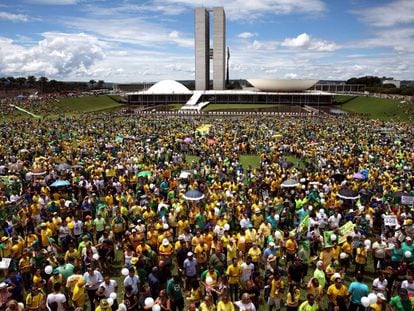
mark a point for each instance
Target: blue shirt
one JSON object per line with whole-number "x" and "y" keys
{"x": 358, "y": 290}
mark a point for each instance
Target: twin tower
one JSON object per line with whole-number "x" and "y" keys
{"x": 203, "y": 53}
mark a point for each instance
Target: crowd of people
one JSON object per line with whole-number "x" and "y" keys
{"x": 108, "y": 212}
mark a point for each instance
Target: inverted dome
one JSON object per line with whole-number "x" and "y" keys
{"x": 168, "y": 87}
{"x": 273, "y": 85}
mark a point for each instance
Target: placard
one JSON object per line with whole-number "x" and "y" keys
{"x": 390, "y": 220}
{"x": 407, "y": 200}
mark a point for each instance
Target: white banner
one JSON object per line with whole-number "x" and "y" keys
{"x": 407, "y": 200}
{"x": 390, "y": 220}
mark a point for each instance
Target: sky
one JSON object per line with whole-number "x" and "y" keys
{"x": 152, "y": 40}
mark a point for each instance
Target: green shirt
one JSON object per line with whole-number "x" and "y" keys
{"x": 320, "y": 276}
{"x": 401, "y": 305}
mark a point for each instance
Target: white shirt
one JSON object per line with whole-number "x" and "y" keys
{"x": 408, "y": 286}
{"x": 109, "y": 288}
{"x": 379, "y": 249}
{"x": 133, "y": 282}
{"x": 246, "y": 272}
{"x": 244, "y": 306}
{"x": 381, "y": 286}
{"x": 334, "y": 220}
{"x": 59, "y": 298}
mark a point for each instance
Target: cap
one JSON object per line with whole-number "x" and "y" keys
{"x": 133, "y": 230}
{"x": 189, "y": 254}
{"x": 272, "y": 244}
{"x": 381, "y": 296}
{"x": 165, "y": 242}
{"x": 88, "y": 217}
{"x": 134, "y": 260}
{"x": 3, "y": 285}
{"x": 408, "y": 238}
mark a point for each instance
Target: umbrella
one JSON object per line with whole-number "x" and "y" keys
{"x": 315, "y": 183}
{"x": 144, "y": 174}
{"x": 63, "y": 167}
{"x": 38, "y": 172}
{"x": 348, "y": 194}
{"x": 60, "y": 183}
{"x": 193, "y": 195}
{"x": 187, "y": 140}
{"x": 359, "y": 176}
{"x": 290, "y": 183}
{"x": 339, "y": 177}
{"x": 23, "y": 151}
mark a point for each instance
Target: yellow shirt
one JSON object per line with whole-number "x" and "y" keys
{"x": 255, "y": 253}
{"x": 233, "y": 272}
{"x": 35, "y": 301}
{"x": 335, "y": 292}
{"x": 291, "y": 246}
{"x": 200, "y": 253}
{"x": 221, "y": 306}
{"x": 361, "y": 256}
{"x": 277, "y": 289}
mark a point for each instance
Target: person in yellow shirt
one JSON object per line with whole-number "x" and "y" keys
{"x": 225, "y": 304}
{"x": 233, "y": 272}
{"x": 166, "y": 251}
{"x": 338, "y": 295}
{"x": 291, "y": 247}
{"x": 45, "y": 234}
{"x": 201, "y": 253}
{"x": 361, "y": 258}
{"x": 36, "y": 299}
{"x": 256, "y": 254}
{"x": 346, "y": 249}
{"x": 79, "y": 294}
{"x": 277, "y": 288}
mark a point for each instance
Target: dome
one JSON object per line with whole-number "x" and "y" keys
{"x": 168, "y": 87}
{"x": 273, "y": 85}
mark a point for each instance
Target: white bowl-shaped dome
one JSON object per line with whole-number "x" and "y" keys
{"x": 168, "y": 87}
{"x": 287, "y": 85}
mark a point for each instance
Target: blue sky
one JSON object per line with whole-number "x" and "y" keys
{"x": 150, "y": 40}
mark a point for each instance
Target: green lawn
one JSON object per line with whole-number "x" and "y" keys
{"x": 249, "y": 159}
{"x": 377, "y": 108}
{"x": 88, "y": 103}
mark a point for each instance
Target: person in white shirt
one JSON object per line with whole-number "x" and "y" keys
{"x": 379, "y": 285}
{"x": 408, "y": 284}
{"x": 334, "y": 220}
{"x": 378, "y": 253}
{"x": 56, "y": 298}
{"x": 245, "y": 304}
{"x": 247, "y": 269}
{"x": 92, "y": 280}
{"x": 133, "y": 280}
{"x": 111, "y": 286}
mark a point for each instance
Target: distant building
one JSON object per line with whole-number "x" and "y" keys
{"x": 203, "y": 53}
{"x": 396, "y": 83}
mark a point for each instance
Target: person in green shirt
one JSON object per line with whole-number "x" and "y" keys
{"x": 309, "y": 304}
{"x": 175, "y": 293}
{"x": 401, "y": 302}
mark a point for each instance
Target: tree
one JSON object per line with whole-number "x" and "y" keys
{"x": 31, "y": 81}
{"x": 92, "y": 83}
{"x": 43, "y": 83}
{"x": 100, "y": 83}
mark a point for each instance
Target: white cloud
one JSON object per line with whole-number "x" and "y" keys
{"x": 306, "y": 41}
{"x": 246, "y": 35}
{"x": 300, "y": 41}
{"x": 394, "y": 13}
{"x": 13, "y": 17}
{"x": 57, "y": 55}
{"x": 291, "y": 75}
{"x": 252, "y": 9}
{"x": 54, "y": 2}
{"x": 133, "y": 30}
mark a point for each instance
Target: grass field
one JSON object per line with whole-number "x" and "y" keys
{"x": 377, "y": 108}
{"x": 88, "y": 103}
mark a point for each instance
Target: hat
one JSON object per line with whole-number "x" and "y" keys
{"x": 272, "y": 244}
{"x": 3, "y": 285}
{"x": 134, "y": 260}
{"x": 381, "y": 296}
{"x": 189, "y": 254}
{"x": 88, "y": 217}
{"x": 271, "y": 258}
{"x": 165, "y": 242}
{"x": 4, "y": 238}
{"x": 408, "y": 238}
{"x": 104, "y": 303}
{"x": 257, "y": 210}
{"x": 133, "y": 230}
